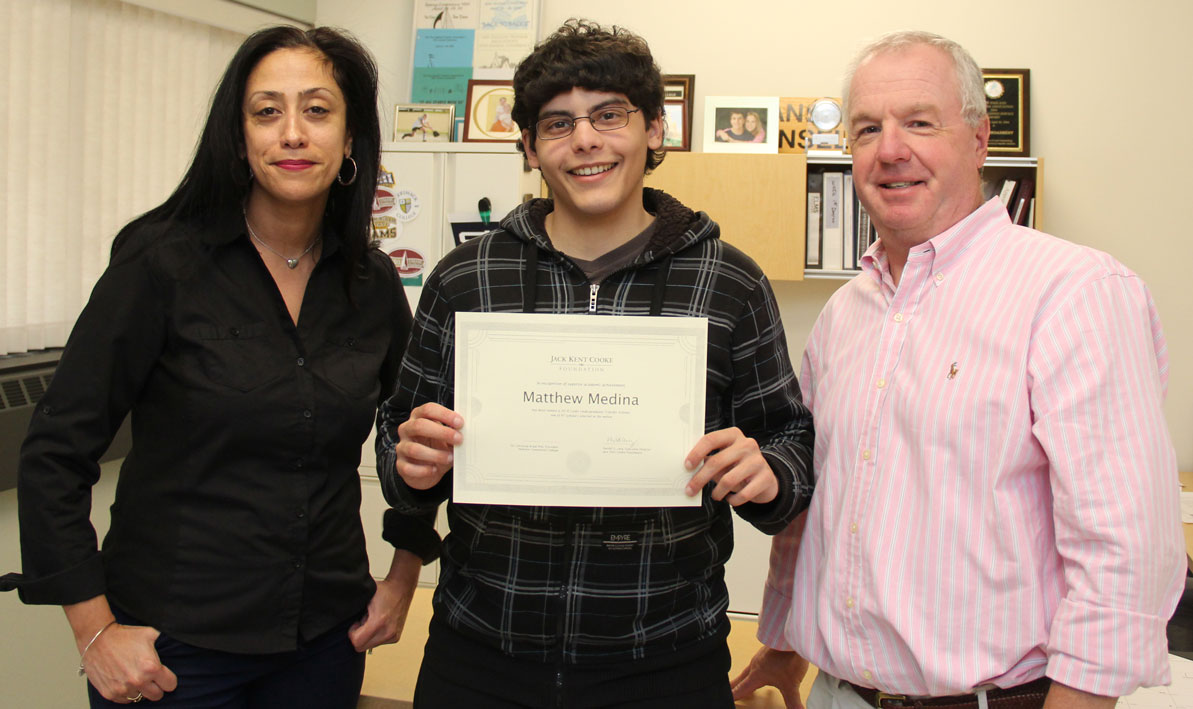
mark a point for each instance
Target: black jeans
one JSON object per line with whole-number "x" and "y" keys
{"x": 459, "y": 671}
{"x": 323, "y": 673}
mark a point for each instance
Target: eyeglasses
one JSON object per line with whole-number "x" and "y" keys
{"x": 604, "y": 119}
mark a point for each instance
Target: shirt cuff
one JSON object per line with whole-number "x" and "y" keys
{"x": 415, "y": 534}
{"x": 1107, "y": 651}
{"x": 79, "y": 583}
{"x": 772, "y": 621}
{"x": 772, "y": 517}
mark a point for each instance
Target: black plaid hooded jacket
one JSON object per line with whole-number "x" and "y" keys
{"x": 558, "y": 584}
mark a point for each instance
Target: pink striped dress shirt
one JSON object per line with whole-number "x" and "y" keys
{"x": 996, "y": 493}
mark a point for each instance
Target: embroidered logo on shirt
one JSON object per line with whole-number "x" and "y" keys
{"x": 620, "y": 541}
{"x": 952, "y": 371}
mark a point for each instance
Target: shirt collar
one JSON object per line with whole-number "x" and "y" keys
{"x": 229, "y": 226}
{"x": 948, "y": 246}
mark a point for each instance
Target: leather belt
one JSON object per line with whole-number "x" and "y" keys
{"x": 1025, "y": 696}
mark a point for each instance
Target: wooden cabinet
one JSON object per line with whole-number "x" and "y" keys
{"x": 758, "y": 200}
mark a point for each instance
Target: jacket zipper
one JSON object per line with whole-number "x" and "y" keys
{"x": 592, "y": 297}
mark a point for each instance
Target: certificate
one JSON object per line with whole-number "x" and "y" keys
{"x": 578, "y": 410}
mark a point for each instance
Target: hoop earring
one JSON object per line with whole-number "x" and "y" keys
{"x": 340, "y": 178}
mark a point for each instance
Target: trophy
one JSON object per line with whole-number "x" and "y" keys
{"x": 829, "y": 137}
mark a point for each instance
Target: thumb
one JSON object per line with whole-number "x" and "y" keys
{"x": 166, "y": 679}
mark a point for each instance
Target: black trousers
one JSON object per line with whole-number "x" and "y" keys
{"x": 459, "y": 671}
{"x": 324, "y": 673}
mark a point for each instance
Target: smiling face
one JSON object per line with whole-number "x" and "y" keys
{"x": 751, "y": 122}
{"x": 295, "y": 127}
{"x": 594, "y": 175}
{"x": 915, "y": 160}
{"x": 736, "y": 121}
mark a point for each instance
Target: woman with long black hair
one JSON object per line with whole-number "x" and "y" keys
{"x": 251, "y": 331}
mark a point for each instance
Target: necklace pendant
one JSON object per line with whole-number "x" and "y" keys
{"x": 292, "y": 263}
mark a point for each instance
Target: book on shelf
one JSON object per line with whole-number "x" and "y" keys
{"x": 848, "y": 226}
{"x": 812, "y": 234}
{"x": 832, "y": 248}
{"x": 1023, "y": 196}
{"x": 1031, "y": 214}
{"x": 1007, "y": 193}
{"x": 865, "y": 231}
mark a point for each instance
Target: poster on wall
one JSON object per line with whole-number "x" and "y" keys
{"x": 458, "y": 40}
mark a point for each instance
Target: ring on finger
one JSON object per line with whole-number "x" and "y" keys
{"x": 134, "y": 700}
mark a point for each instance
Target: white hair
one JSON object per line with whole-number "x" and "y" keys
{"x": 969, "y": 76}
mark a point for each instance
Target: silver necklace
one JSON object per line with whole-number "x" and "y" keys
{"x": 291, "y": 263}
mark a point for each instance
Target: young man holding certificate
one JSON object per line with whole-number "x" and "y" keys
{"x": 572, "y": 606}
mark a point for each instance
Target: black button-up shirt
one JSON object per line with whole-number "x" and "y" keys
{"x": 236, "y": 524}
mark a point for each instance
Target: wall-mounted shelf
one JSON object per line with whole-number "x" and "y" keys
{"x": 419, "y": 146}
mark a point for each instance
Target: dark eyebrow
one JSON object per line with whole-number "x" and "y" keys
{"x": 603, "y": 104}
{"x": 278, "y": 94}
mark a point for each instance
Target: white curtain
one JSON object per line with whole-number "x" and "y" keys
{"x": 100, "y": 106}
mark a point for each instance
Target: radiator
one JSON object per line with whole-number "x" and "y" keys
{"x": 23, "y": 379}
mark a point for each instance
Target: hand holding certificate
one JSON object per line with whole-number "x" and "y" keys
{"x": 578, "y": 410}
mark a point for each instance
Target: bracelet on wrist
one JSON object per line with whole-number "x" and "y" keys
{"x": 82, "y": 670}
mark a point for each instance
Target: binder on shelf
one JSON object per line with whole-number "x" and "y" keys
{"x": 848, "y": 226}
{"x": 865, "y": 230}
{"x": 812, "y": 235}
{"x": 1031, "y": 214}
{"x": 832, "y": 255}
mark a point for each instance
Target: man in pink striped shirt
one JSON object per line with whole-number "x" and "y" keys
{"x": 996, "y": 521}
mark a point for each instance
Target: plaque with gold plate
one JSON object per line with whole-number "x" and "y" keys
{"x": 1007, "y": 92}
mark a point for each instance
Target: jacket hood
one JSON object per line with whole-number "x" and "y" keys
{"x": 676, "y": 226}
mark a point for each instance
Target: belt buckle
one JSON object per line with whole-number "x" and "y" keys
{"x": 881, "y": 697}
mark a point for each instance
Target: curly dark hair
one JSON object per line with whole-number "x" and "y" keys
{"x": 583, "y": 54}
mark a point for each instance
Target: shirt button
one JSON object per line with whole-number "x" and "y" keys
{"x": 351, "y": 342}
{"x": 898, "y": 317}
{"x": 849, "y": 603}
{"x": 306, "y": 413}
{"x": 881, "y": 383}
{"x": 853, "y": 528}
{"x": 866, "y": 674}
{"x": 235, "y": 332}
{"x": 301, "y": 361}
{"x": 300, "y": 513}
{"x": 299, "y": 463}
{"x": 866, "y": 454}
{"x": 298, "y": 563}
{"x": 939, "y": 277}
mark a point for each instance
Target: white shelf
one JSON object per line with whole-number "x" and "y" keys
{"x": 812, "y": 274}
{"x": 432, "y": 147}
{"x": 991, "y": 160}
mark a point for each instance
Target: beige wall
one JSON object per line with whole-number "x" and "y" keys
{"x": 1113, "y": 162}
{"x": 1116, "y": 149}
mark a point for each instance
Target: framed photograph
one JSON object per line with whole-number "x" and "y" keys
{"x": 741, "y": 124}
{"x": 678, "y": 93}
{"x": 1007, "y": 94}
{"x": 677, "y": 126}
{"x": 424, "y": 122}
{"x": 490, "y": 112}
